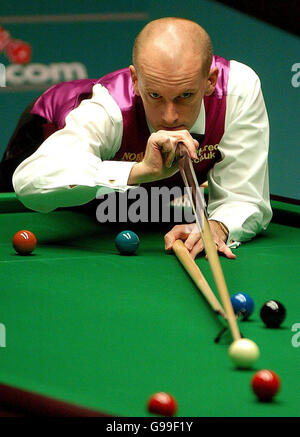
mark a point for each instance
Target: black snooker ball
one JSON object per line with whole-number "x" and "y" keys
{"x": 272, "y": 313}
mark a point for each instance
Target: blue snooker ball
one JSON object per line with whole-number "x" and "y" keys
{"x": 127, "y": 242}
{"x": 243, "y": 304}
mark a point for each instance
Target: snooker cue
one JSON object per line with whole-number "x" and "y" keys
{"x": 195, "y": 273}
{"x": 189, "y": 178}
{"x": 215, "y": 265}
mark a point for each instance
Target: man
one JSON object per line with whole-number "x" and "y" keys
{"x": 174, "y": 88}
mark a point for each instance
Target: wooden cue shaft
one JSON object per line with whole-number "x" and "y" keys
{"x": 195, "y": 273}
{"x": 214, "y": 261}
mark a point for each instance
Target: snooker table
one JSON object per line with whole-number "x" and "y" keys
{"x": 89, "y": 332}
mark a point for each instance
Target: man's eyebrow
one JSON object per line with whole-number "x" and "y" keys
{"x": 188, "y": 90}
{"x": 151, "y": 90}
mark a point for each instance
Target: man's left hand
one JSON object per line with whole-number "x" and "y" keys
{"x": 189, "y": 233}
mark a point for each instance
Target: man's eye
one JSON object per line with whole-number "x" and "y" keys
{"x": 185, "y": 95}
{"x": 154, "y": 95}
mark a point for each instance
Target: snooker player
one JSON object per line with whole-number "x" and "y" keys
{"x": 73, "y": 140}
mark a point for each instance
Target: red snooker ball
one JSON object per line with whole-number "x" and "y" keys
{"x": 162, "y": 403}
{"x": 24, "y": 242}
{"x": 265, "y": 384}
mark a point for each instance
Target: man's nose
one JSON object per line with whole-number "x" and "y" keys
{"x": 170, "y": 114}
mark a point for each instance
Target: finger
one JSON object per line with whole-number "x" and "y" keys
{"x": 169, "y": 240}
{"x": 191, "y": 240}
{"x": 169, "y": 142}
{"x": 168, "y": 152}
{"x": 196, "y": 144}
{"x": 192, "y": 146}
{"x": 198, "y": 248}
{"x": 177, "y": 233}
{"x": 225, "y": 250}
{"x": 170, "y": 159}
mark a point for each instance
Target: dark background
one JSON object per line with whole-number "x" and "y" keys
{"x": 280, "y": 13}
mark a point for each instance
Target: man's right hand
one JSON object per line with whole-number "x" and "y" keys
{"x": 159, "y": 160}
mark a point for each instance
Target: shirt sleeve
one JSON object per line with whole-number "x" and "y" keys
{"x": 70, "y": 166}
{"x": 239, "y": 183}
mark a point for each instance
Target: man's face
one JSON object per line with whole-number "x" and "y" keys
{"x": 172, "y": 100}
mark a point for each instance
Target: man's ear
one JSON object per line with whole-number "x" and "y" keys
{"x": 134, "y": 79}
{"x": 212, "y": 81}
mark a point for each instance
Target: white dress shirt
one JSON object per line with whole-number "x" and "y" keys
{"x": 81, "y": 154}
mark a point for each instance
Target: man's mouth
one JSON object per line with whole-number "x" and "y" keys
{"x": 172, "y": 128}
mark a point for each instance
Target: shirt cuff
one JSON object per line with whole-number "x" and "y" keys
{"x": 113, "y": 176}
{"x": 242, "y": 221}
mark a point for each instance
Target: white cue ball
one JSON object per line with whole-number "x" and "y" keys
{"x": 244, "y": 353}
